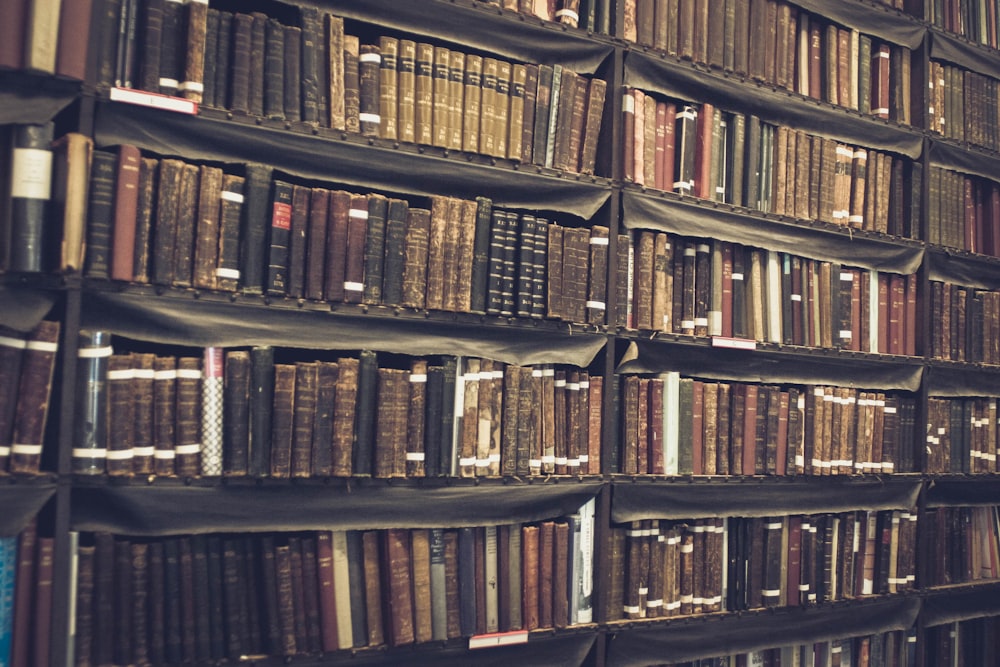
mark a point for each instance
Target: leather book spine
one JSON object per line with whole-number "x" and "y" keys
{"x": 515, "y": 115}
{"x": 416, "y": 249}
{"x": 297, "y": 242}
{"x": 33, "y": 394}
{"x": 173, "y": 42}
{"x": 261, "y": 406}
{"x": 30, "y": 192}
{"x": 344, "y": 416}
{"x": 369, "y": 91}
{"x": 562, "y": 157}
{"x": 538, "y": 279}
{"x": 240, "y": 68}
{"x": 217, "y": 74}
{"x": 488, "y": 107}
{"x": 399, "y": 586}
{"x": 365, "y": 558}
{"x": 481, "y": 256}
{"x": 525, "y": 265}
{"x": 280, "y": 238}
{"x": 458, "y": 287}
{"x": 357, "y": 230}
{"x": 121, "y": 424}
{"x": 497, "y": 237}
{"x": 286, "y": 602}
{"x": 164, "y": 420}
{"x": 186, "y": 223}
{"x": 142, "y": 409}
{"x": 364, "y": 435}
{"x": 256, "y": 221}
{"x": 472, "y": 103}
{"x": 236, "y": 413}
{"x": 424, "y": 95}
{"x": 303, "y": 418}
{"x": 387, "y": 101}
{"x": 282, "y": 420}
{"x": 528, "y": 120}
{"x": 310, "y": 594}
{"x": 188, "y": 447}
{"x": 321, "y": 458}
{"x": 433, "y": 427}
{"x": 72, "y": 154}
{"x": 543, "y": 105}
{"x": 593, "y": 113}
{"x": 436, "y": 276}
{"x": 207, "y": 227}
{"x": 406, "y": 94}
{"x": 327, "y": 596}
{"x": 395, "y": 247}
{"x": 374, "y": 249}
{"x": 456, "y": 104}
{"x": 415, "y": 425}
{"x": 90, "y": 425}
{"x": 309, "y": 94}
{"x": 274, "y": 70}
{"x": 335, "y": 257}
{"x": 332, "y": 71}
{"x": 352, "y": 84}
{"x": 196, "y": 28}
{"x": 226, "y": 271}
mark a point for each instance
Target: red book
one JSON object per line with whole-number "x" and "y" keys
{"x": 670, "y": 147}
{"x": 994, "y": 223}
{"x": 856, "y": 311}
{"x": 896, "y": 302}
{"x": 125, "y": 203}
{"x": 794, "y": 569}
{"x": 781, "y": 457}
{"x": 883, "y": 313}
{"x": 727, "y": 290}
{"x": 909, "y": 324}
{"x": 655, "y": 428}
{"x": 703, "y": 153}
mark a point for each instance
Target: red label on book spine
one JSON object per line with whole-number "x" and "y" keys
{"x": 281, "y": 217}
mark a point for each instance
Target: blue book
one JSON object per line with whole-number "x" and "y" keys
{"x": 8, "y": 570}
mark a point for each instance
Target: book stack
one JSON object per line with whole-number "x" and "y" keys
{"x": 211, "y": 597}
{"x": 702, "y": 151}
{"x": 975, "y": 21}
{"x": 670, "y": 568}
{"x": 705, "y": 287}
{"x": 964, "y": 212}
{"x": 961, "y": 435}
{"x": 305, "y": 68}
{"x": 27, "y": 366}
{"x": 685, "y": 426}
{"x": 962, "y": 105}
{"x": 896, "y": 647}
{"x": 782, "y": 45}
{"x": 244, "y": 412}
{"x": 26, "y": 569}
{"x": 168, "y": 222}
{"x": 965, "y": 543}
{"x": 967, "y": 321}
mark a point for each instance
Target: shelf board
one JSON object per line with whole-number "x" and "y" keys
{"x": 166, "y": 507}
{"x": 180, "y": 316}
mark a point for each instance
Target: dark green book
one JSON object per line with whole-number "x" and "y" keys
{"x": 364, "y": 426}
{"x": 255, "y": 230}
{"x": 280, "y": 238}
{"x": 395, "y": 246}
{"x": 481, "y": 255}
{"x": 374, "y": 252}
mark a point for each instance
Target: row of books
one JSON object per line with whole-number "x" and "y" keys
{"x": 396, "y": 89}
{"x": 964, "y": 212}
{"x": 27, "y": 366}
{"x": 782, "y": 45}
{"x": 961, "y": 435}
{"x": 971, "y": 642}
{"x": 965, "y": 543}
{"x": 703, "y": 151}
{"x": 26, "y": 568}
{"x": 46, "y": 36}
{"x": 669, "y": 568}
{"x": 592, "y": 15}
{"x": 896, "y": 648}
{"x": 967, "y": 322}
{"x": 674, "y": 425}
{"x": 963, "y": 105}
{"x": 974, "y": 20}
{"x": 705, "y": 287}
{"x": 202, "y": 598}
{"x": 173, "y": 223}
{"x": 238, "y": 412}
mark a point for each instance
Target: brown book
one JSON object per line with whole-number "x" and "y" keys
{"x": 282, "y": 420}
{"x": 334, "y": 49}
{"x": 120, "y": 390}
{"x": 207, "y": 238}
{"x": 352, "y": 84}
{"x": 193, "y": 85}
{"x": 399, "y": 586}
{"x": 187, "y": 209}
{"x": 560, "y": 566}
{"x": 456, "y": 103}
{"x": 187, "y": 446}
{"x": 528, "y": 122}
{"x": 388, "y": 103}
{"x": 472, "y": 100}
{"x": 416, "y": 250}
{"x": 297, "y": 239}
{"x": 354, "y": 262}
{"x": 530, "y": 577}
{"x": 373, "y": 585}
{"x": 406, "y": 64}
{"x": 424, "y": 94}
{"x": 596, "y": 91}
{"x": 440, "y": 112}
{"x": 369, "y": 90}
{"x": 33, "y": 394}
{"x": 488, "y": 107}
{"x": 335, "y": 260}
{"x": 516, "y": 114}
{"x": 436, "y": 257}
{"x": 286, "y": 600}
{"x": 343, "y": 415}
{"x": 303, "y": 418}
{"x": 563, "y": 157}
{"x": 164, "y": 400}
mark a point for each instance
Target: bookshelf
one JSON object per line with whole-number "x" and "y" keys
{"x": 911, "y": 247}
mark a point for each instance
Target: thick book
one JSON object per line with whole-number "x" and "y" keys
{"x": 295, "y": 275}
{"x": 280, "y": 238}
{"x": 206, "y": 257}
{"x": 30, "y": 194}
{"x": 71, "y": 170}
{"x": 374, "y": 249}
{"x": 316, "y": 243}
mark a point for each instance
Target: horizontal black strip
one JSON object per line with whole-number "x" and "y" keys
{"x": 949, "y": 155}
{"x": 951, "y": 605}
{"x": 24, "y": 307}
{"x": 31, "y": 98}
{"x": 959, "y": 51}
{"x": 948, "y": 379}
{"x": 21, "y": 502}
{"x": 871, "y": 18}
{"x": 963, "y": 268}
{"x": 965, "y": 491}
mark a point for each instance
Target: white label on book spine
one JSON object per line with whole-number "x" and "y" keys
{"x": 770, "y": 593}
{"x": 123, "y": 374}
{"x": 231, "y": 274}
{"x": 20, "y": 344}
{"x": 568, "y": 13}
{"x": 184, "y": 450}
{"x": 370, "y": 58}
{"x": 165, "y": 375}
{"x": 354, "y": 287}
{"x": 164, "y": 454}
{"x": 236, "y": 197}
{"x": 193, "y": 86}
{"x": 561, "y": 460}
{"x": 599, "y": 240}
{"x": 418, "y": 377}
{"x": 358, "y": 213}
{"x": 188, "y": 374}
{"x": 143, "y": 451}
{"x": 737, "y": 276}
{"x": 83, "y": 453}
{"x": 534, "y": 463}
{"x": 41, "y": 346}
{"x": 120, "y": 454}
{"x": 596, "y": 305}
{"x": 94, "y": 352}
{"x": 31, "y": 174}
{"x": 467, "y": 461}
{"x": 167, "y": 82}
{"x": 629, "y": 103}
{"x": 415, "y": 456}
{"x": 373, "y": 118}
{"x": 26, "y": 450}
{"x": 631, "y": 610}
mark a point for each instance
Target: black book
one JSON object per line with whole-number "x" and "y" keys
{"x": 268, "y": 595}
{"x": 364, "y": 426}
{"x": 498, "y": 236}
{"x": 173, "y": 46}
{"x": 217, "y": 644}
{"x": 172, "y": 599}
{"x": 508, "y": 286}
{"x": 375, "y": 249}
{"x": 312, "y": 34}
{"x": 208, "y": 97}
{"x": 538, "y": 282}
{"x": 395, "y": 245}
{"x": 29, "y": 198}
{"x": 740, "y": 329}
{"x": 280, "y": 238}
{"x": 261, "y": 404}
{"x": 322, "y": 432}
{"x": 258, "y": 48}
{"x": 274, "y": 70}
{"x": 356, "y": 570}
{"x": 236, "y": 413}
{"x": 222, "y": 60}
{"x": 200, "y": 576}
{"x": 433, "y": 408}
{"x": 448, "y": 414}
{"x": 239, "y": 79}
{"x": 481, "y": 255}
{"x": 525, "y": 266}
{"x": 292, "y": 78}
{"x": 99, "y": 215}
{"x": 467, "y": 580}
{"x": 257, "y": 218}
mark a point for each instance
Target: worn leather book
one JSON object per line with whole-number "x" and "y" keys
{"x": 186, "y": 207}
{"x": 282, "y": 420}
{"x": 343, "y": 416}
{"x": 274, "y": 70}
{"x": 321, "y": 458}
{"x": 121, "y": 425}
{"x": 207, "y": 227}
{"x": 70, "y": 173}
{"x": 148, "y": 176}
{"x": 387, "y": 103}
{"x": 398, "y": 586}
{"x": 593, "y": 113}
{"x": 456, "y": 104}
{"x": 335, "y": 251}
{"x": 424, "y": 94}
{"x": 297, "y": 240}
{"x": 543, "y": 106}
{"x": 416, "y": 249}
{"x": 354, "y": 258}
{"x": 352, "y": 84}
{"x": 303, "y": 418}
{"x": 395, "y": 258}
{"x": 236, "y": 413}
{"x": 241, "y": 65}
